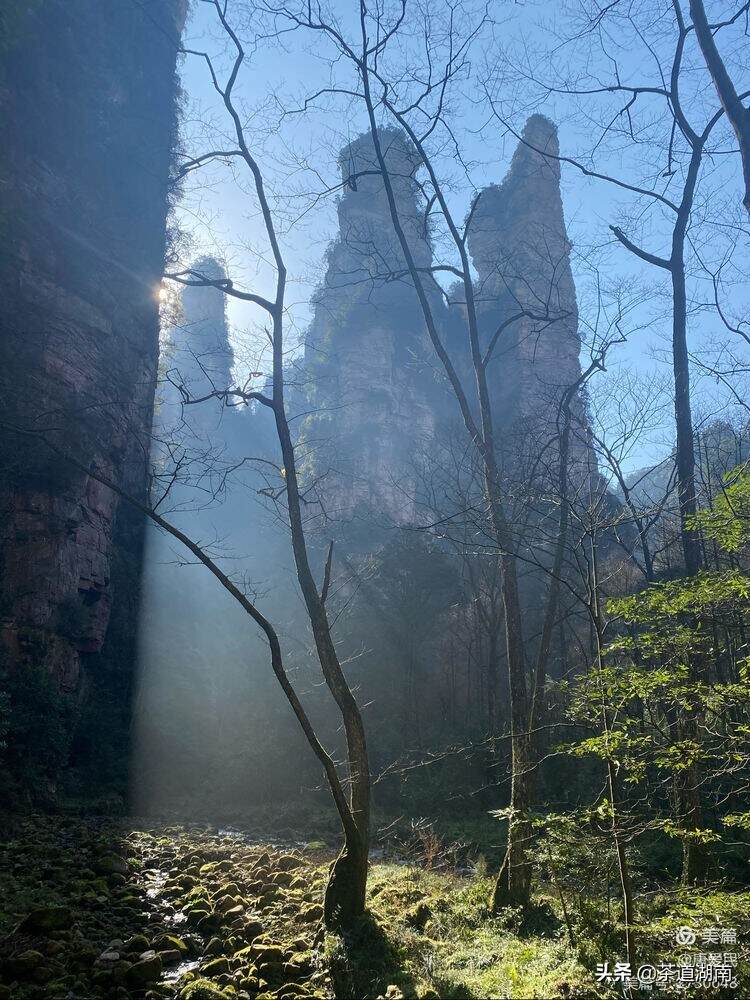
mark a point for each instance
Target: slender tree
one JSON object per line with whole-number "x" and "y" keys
{"x": 345, "y": 894}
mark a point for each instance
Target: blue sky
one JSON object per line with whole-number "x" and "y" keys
{"x": 521, "y": 52}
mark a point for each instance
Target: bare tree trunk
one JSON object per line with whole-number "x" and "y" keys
{"x": 695, "y": 857}
{"x": 736, "y": 112}
{"x": 681, "y": 366}
{"x": 345, "y": 894}
{"x": 513, "y": 884}
{"x": 347, "y": 884}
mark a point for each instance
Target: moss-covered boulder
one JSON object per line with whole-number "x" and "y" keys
{"x": 204, "y": 989}
{"x": 45, "y": 919}
{"x": 217, "y": 966}
{"x": 111, "y": 864}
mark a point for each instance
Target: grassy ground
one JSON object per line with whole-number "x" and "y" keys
{"x": 430, "y": 935}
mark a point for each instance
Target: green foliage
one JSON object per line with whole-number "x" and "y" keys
{"x": 702, "y": 594}
{"x": 727, "y": 520}
{"x": 672, "y": 689}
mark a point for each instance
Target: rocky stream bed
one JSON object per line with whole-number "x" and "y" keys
{"x": 99, "y": 910}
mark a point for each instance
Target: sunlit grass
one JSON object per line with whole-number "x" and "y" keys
{"x": 431, "y": 935}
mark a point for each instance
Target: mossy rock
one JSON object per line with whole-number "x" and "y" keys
{"x": 224, "y": 903}
{"x": 282, "y": 878}
{"x": 137, "y": 944}
{"x": 275, "y": 972}
{"x": 45, "y": 919}
{"x": 229, "y": 889}
{"x": 291, "y": 990}
{"x": 171, "y": 956}
{"x": 26, "y": 965}
{"x": 204, "y": 989}
{"x": 299, "y": 965}
{"x": 267, "y": 951}
{"x": 288, "y": 863}
{"x": 309, "y": 914}
{"x": 217, "y": 966}
{"x": 111, "y": 864}
{"x": 216, "y": 946}
{"x": 209, "y": 923}
{"x": 252, "y": 929}
{"x": 170, "y": 942}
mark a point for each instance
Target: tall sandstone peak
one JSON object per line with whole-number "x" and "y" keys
{"x": 384, "y": 406}
{"x": 88, "y": 98}
{"x": 520, "y": 249}
{"x": 199, "y": 358}
{"x": 366, "y": 347}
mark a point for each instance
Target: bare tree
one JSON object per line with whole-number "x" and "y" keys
{"x": 345, "y": 894}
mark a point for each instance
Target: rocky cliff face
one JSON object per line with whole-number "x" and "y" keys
{"x": 88, "y": 100}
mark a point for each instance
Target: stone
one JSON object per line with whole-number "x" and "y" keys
{"x": 214, "y": 947}
{"x": 204, "y": 989}
{"x": 169, "y": 942}
{"x": 137, "y": 944}
{"x": 310, "y": 914}
{"x": 290, "y": 990}
{"x": 45, "y": 919}
{"x": 288, "y": 863}
{"x": 264, "y": 953}
{"x": 111, "y": 864}
{"x": 282, "y": 878}
{"x": 25, "y": 965}
{"x": 252, "y": 928}
{"x": 217, "y": 966}
{"x": 74, "y": 329}
{"x": 146, "y": 970}
{"x": 209, "y": 923}
{"x": 225, "y": 903}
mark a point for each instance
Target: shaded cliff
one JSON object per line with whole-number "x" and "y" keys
{"x": 88, "y": 101}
